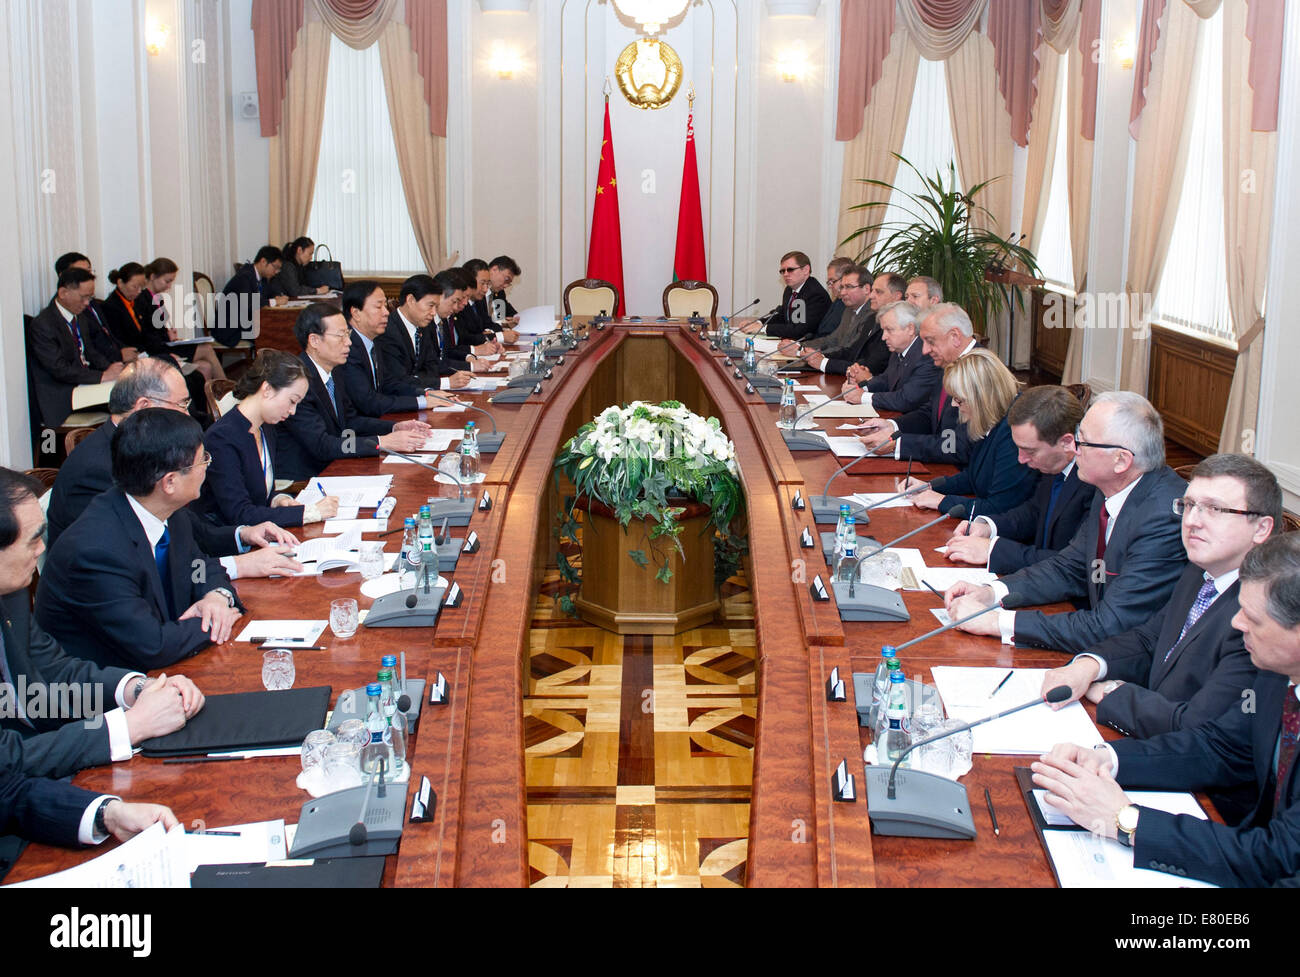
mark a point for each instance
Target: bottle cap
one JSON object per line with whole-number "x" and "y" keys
{"x": 374, "y": 688}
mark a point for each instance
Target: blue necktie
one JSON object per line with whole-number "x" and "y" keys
{"x": 81, "y": 346}
{"x": 164, "y": 570}
{"x": 329, "y": 385}
{"x": 1058, "y": 481}
{"x": 1204, "y": 598}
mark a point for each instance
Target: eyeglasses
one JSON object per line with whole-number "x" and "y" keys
{"x": 178, "y": 404}
{"x": 849, "y": 286}
{"x": 788, "y": 271}
{"x": 334, "y": 335}
{"x": 1183, "y": 506}
{"x": 834, "y": 281}
{"x": 207, "y": 460}
{"x": 957, "y": 401}
{"x": 1080, "y": 443}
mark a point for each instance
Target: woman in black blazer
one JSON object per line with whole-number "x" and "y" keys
{"x": 123, "y": 315}
{"x": 160, "y": 275}
{"x": 241, "y": 478}
{"x": 293, "y": 269}
{"x": 983, "y": 389}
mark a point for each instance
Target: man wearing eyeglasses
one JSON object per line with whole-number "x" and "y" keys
{"x": 128, "y": 586}
{"x": 804, "y": 303}
{"x": 830, "y": 321}
{"x": 1184, "y": 666}
{"x": 1126, "y": 555}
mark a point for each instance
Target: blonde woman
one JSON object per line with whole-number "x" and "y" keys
{"x": 982, "y": 390}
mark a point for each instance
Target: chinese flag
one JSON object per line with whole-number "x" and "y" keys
{"x": 605, "y": 259}
{"x": 688, "y": 261}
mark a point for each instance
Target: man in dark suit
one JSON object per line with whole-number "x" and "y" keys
{"x": 830, "y": 321}
{"x": 866, "y": 348}
{"x": 476, "y": 319}
{"x": 1043, "y": 421}
{"x": 910, "y": 379}
{"x": 804, "y": 302}
{"x": 88, "y": 473}
{"x": 502, "y": 272}
{"x": 251, "y": 288}
{"x": 363, "y": 377}
{"x": 326, "y": 426}
{"x": 1185, "y": 665}
{"x": 67, "y": 728}
{"x": 60, "y": 348}
{"x": 1126, "y": 555}
{"x": 1251, "y": 745}
{"x": 126, "y": 584}
{"x": 97, "y": 331}
{"x": 408, "y": 352}
{"x": 934, "y": 432}
{"x": 53, "y": 812}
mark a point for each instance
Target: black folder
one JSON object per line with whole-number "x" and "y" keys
{"x": 365, "y": 872}
{"x": 246, "y": 721}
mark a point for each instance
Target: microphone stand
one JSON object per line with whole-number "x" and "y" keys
{"x": 796, "y": 440}
{"x": 456, "y": 512}
{"x": 826, "y": 507}
{"x": 488, "y": 442}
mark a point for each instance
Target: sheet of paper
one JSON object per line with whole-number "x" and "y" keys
{"x": 270, "y": 750}
{"x": 941, "y": 578}
{"x": 361, "y": 525}
{"x": 448, "y": 409}
{"x": 288, "y": 633}
{"x": 850, "y": 427}
{"x": 966, "y": 694}
{"x": 941, "y": 616}
{"x": 310, "y": 552}
{"x": 537, "y": 321}
{"x": 260, "y": 841}
{"x": 480, "y": 383}
{"x": 363, "y": 491}
{"x": 872, "y": 498}
{"x": 430, "y": 459}
{"x": 150, "y": 860}
{"x": 806, "y": 388}
{"x": 1084, "y": 860}
{"x": 442, "y": 438}
{"x": 846, "y": 447}
{"x": 838, "y": 408}
{"x": 763, "y": 345}
{"x": 390, "y": 559}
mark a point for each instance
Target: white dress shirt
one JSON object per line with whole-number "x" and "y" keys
{"x": 368, "y": 345}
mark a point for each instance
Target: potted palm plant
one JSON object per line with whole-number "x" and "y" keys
{"x": 938, "y": 240}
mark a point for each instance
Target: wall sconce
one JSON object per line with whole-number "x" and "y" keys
{"x": 155, "y": 37}
{"x": 504, "y": 61}
{"x": 793, "y": 66}
{"x": 1126, "y": 50}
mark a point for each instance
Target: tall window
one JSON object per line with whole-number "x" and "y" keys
{"x": 928, "y": 143}
{"x": 1055, "y": 256}
{"x": 1193, "y": 292}
{"x": 359, "y": 208}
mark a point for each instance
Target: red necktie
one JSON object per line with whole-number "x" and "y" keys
{"x": 943, "y": 405}
{"x": 1287, "y": 750}
{"x": 1103, "y": 522}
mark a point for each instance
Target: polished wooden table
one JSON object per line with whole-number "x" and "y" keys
{"x": 472, "y": 750}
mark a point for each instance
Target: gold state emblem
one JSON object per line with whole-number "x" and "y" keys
{"x": 649, "y": 72}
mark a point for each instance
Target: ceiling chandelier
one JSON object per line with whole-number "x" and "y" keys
{"x": 651, "y": 15}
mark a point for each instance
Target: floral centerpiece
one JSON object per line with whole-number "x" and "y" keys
{"x": 649, "y": 462}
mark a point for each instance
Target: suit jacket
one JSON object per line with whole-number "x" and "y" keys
{"x": 474, "y": 325}
{"x": 1204, "y": 675}
{"x": 367, "y": 386}
{"x": 1235, "y": 749}
{"x": 1142, "y": 562}
{"x": 235, "y": 489}
{"x": 101, "y": 598}
{"x": 447, "y": 354}
{"x": 254, "y": 293}
{"x": 289, "y": 282}
{"x": 798, "y": 315}
{"x": 48, "y": 811}
{"x": 994, "y": 477}
{"x": 907, "y": 382}
{"x": 869, "y": 349}
{"x": 314, "y": 436}
{"x": 44, "y": 747}
{"x": 930, "y": 434}
{"x": 138, "y": 331}
{"x": 106, "y": 344}
{"x": 88, "y": 473}
{"x": 1026, "y": 536}
{"x": 490, "y": 298}
{"x": 56, "y": 362}
{"x": 802, "y": 330}
{"x": 400, "y": 363}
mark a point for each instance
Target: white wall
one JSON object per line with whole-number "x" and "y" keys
{"x": 250, "y": 156}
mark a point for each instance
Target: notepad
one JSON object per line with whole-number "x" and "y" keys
{"x": 287, "y": 633}
{"x": 968, "y": 694}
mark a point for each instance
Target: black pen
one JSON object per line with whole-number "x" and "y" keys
{"x": 1002, "y": 683}
{"x": 993, "y": 815}
{"x": 971, "y": 521}
{"x": 936, "y": 593}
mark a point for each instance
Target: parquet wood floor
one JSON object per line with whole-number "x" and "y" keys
{"x": 639, "y": 750}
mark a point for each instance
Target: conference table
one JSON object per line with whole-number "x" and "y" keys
{"x": 472, "y": 749}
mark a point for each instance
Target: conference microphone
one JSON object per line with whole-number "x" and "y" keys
{"x": 796, "y": 440}
{"x": 489, "y": 443}
{"x": 954, "y": 513}
{"x": 358, "y": 834}
{"x": 761, "y": 380}
{"x": 456, "y": 511}
{"x": 826, "y": 508}
{"x": 1060, "y": 693}
{"x": 1008, "y": 601}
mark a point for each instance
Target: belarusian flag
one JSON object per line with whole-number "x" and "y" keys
{"x": 688, "y": 261}
{"x": 605, "y": 259}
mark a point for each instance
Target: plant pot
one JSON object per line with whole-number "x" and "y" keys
{"x": 620, "y": 596}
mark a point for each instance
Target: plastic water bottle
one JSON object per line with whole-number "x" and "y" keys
{"x": 381, "y": 742}
{"x": 566, "y": 328}
{"x": 750, "y": 362}
{"x": 407, "y": 562}
{"x": 786, "y": 412}
{"x": 880, "y": 687}
{"x": 396, "y": 722}
{"x": 848, "y": 550}
{"x": 469, "y": 453}
{"x": 389, "y": 664}
{"x": 724, "y": 338}
{"x": 427, "y": 547}
{"x": 535, "y": 364}
{"x": 845, "y": 510}
{"x": 898, "y": 737}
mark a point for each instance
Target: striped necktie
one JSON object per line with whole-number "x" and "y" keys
{"x": 1204, "y": 598}
{"x": 1287, "y": 749}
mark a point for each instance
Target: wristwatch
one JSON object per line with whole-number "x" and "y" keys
{"x": 100, "y": 829}
{"x": 1126, "y": 824}
{"x": 230, "y": 598}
